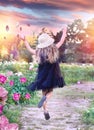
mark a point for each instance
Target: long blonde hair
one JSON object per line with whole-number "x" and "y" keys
{"x": 47, "y": 54}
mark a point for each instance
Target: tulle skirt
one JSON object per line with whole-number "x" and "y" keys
{"x": 48, "y": 77}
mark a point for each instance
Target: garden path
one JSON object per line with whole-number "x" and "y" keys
{"x": 65, "y": 109}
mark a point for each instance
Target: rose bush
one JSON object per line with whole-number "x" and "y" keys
{"x": 1, "y": 109}
{"x": 3, "y": 95}
{"x": 5, "y": 125}
{"x": 16, "y": 82}
{"x": 4, "y": 122}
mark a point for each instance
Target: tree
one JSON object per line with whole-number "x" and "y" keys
{"x": 75, "y": 36}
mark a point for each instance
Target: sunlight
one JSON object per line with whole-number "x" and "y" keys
{"x": 3, "y": 31}
{"x": 4, "y": 51}
{"x": 91, "y": 32}
{"x": 6, "y": 26}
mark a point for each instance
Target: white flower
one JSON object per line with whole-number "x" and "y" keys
{"x": 19, "y": 74}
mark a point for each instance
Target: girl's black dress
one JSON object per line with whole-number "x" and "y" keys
{"x": 48, "y": 77}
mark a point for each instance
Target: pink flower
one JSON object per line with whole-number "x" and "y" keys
{"x": 3, "y": 121}
{"x": 11, "y": 83}
{"x": 1, "y": 108}
{"x": 3, "y": 95}
{"x": 11, "y": 126}
{"x": 9, "y": 73}
{"x": 23, "y": 80}
{"x": 2, "y": 79}
{"x": 78, "y": 82}
{"x": 31, "y": 67}
{"x": 27, "y": 96}
{"x": 16, "y": 96}
{"x": 5, "y": 125}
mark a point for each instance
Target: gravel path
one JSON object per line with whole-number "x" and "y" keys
{"x": 65, "y": 108}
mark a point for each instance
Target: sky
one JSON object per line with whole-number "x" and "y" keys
{"x": 29, "y": 16}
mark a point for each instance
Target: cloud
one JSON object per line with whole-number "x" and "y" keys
{"x": 46, "y": 18}
{"x": 40, "y": 13}
{"x": 44, "y": 10}
{"x": 70, "y": 5}
{"x": 61, "y": 19}
{"x": 77, "y": 16}
{"x": 16, "y": 16}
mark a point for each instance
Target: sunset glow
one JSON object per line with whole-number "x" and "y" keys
{"x": 38, "y": 14}
{"x": 28, "y": 17}
{"x": 4, "y": 51}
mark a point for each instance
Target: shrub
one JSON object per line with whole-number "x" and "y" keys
{"x": 15, "y": 84}
{"x": 77, "y": 72}
{"x": 88, "y": 116}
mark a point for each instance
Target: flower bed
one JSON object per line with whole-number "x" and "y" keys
{"x": 4, "y": 122}
{"x": 13, "y": 92}
{"x": 16, "y": 83}
{"x": 5, "y": 125}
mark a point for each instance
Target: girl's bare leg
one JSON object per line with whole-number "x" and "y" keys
{"x": 48, "y": 96}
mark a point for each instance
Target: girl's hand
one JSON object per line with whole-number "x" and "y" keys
{"x": 64, "y": 29}
{"x": 22, "y": 37}
{"x": 59, "y": 44}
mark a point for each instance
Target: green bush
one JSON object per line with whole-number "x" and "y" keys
{"x": 73, "y": 73}
{"x": 14, "y": 66}
{"x": 77, "y": 72}
{"x": 88, "y": 116}
{"x": 16, "y": 83}
{"x": 12, "y": 113}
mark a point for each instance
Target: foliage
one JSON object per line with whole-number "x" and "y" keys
{"x": 5, "y": 115}
{"x": 72, "y": 72}
{"x": 16, "y": 84}
{"x": 12, "y": 113}
{"x": 77, "y": 72}
{"x": 88, "y": 116}
{"x": 79, "y": 42}
{"x": 74, "y": 29}
{"x": 14, "y": 66}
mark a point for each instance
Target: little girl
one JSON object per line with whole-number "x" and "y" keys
{"x": 49, "y": 74}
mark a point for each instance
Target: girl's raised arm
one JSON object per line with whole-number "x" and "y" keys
{"x": 59, "y": 44}
{"x": 31, "y": 50}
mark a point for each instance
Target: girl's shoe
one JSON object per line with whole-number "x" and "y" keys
{"x": 47, "y": 116}
{"x": 43, "y": 99}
